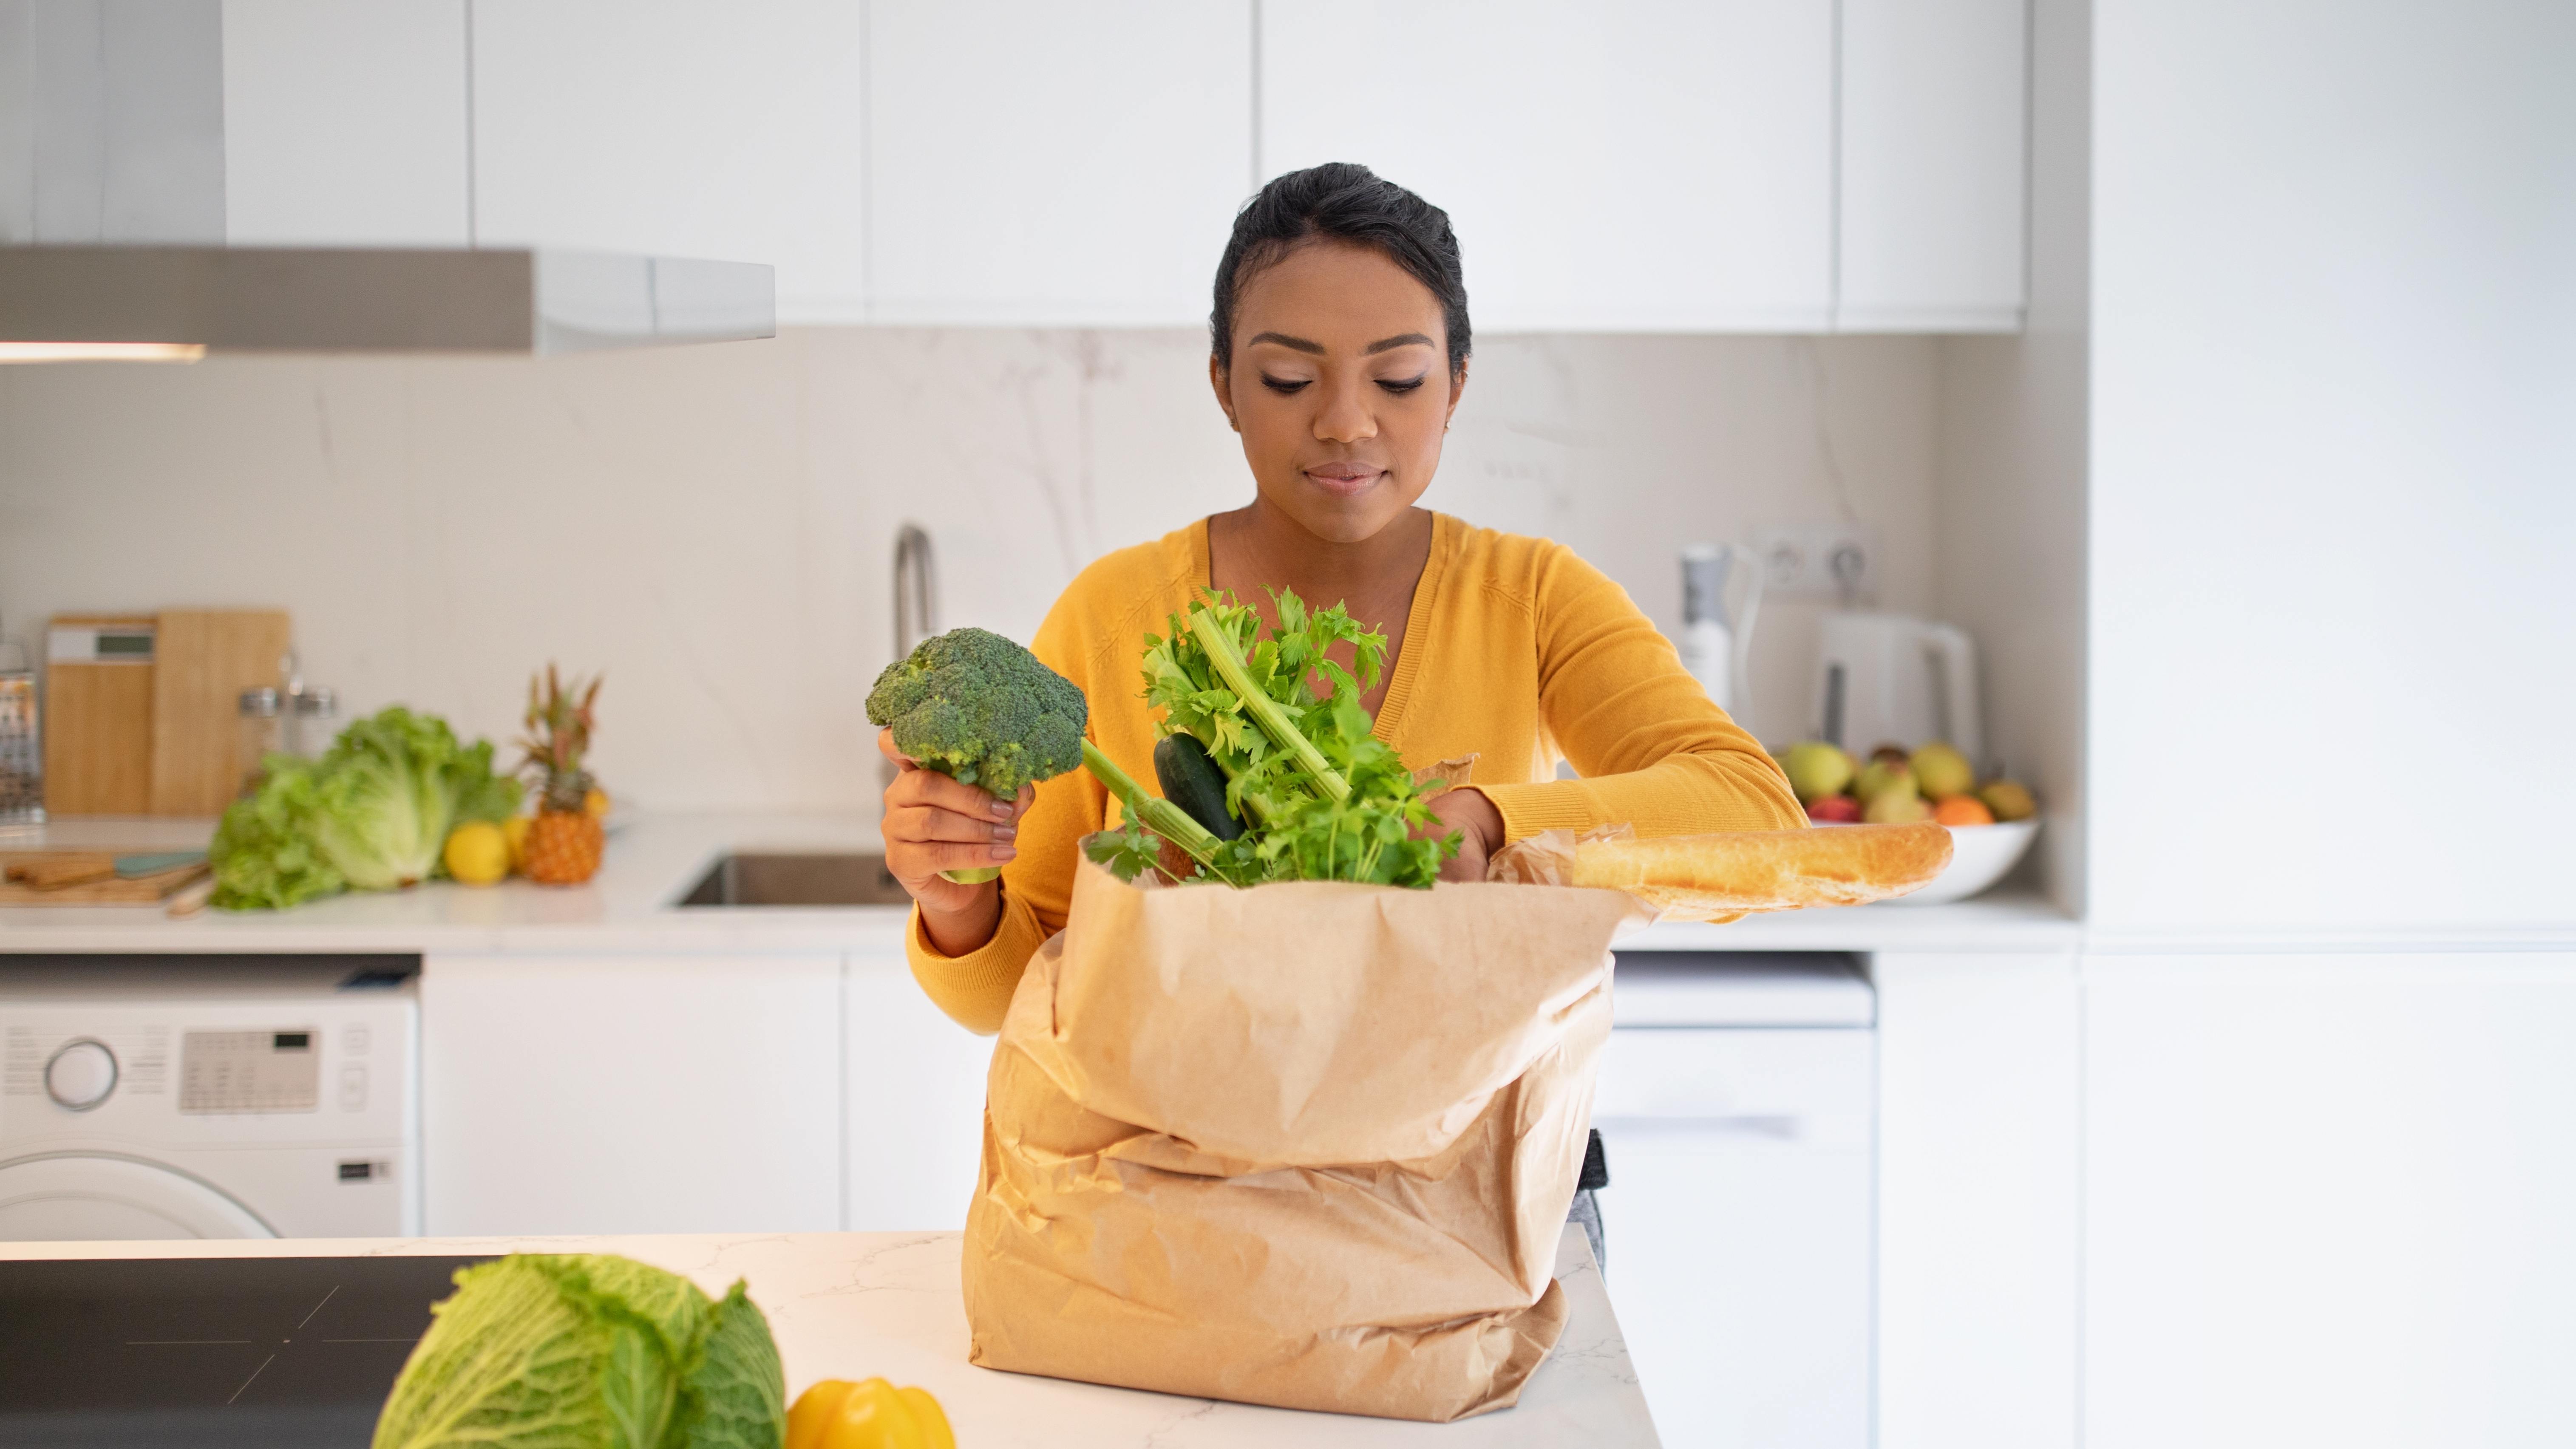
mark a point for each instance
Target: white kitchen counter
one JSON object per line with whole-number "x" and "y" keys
{"x": 862, "y": 1305}
{"x": 653, "y": 859}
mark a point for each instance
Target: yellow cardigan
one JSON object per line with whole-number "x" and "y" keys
{"x": 1516, "y": 652}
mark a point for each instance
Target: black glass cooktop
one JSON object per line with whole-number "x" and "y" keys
{"x": 204, "y": 1352}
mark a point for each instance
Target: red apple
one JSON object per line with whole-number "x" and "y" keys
{"x": 1834, "y": 810}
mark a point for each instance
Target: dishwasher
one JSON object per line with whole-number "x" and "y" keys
{"x": 1737, "y": 1109}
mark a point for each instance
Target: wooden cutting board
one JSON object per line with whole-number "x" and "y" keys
{"x": 98, "y": 715}
{"x": 141, "y": 891}
{"x": 202, "y": 661}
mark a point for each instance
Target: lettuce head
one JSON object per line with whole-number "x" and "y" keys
{"x": 371, "y": 814}
{"x": 588, "y": 1350}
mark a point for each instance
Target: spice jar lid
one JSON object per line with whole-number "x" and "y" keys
{"x": 260, "y": 703}
{"x": 317, "y": 701}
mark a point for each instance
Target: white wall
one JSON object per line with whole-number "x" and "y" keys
{"x": 2012, "y": 518}
{"x": 711, "y": 525}
{"x": 2333, "y": 464}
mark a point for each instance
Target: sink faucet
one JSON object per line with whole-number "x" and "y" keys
{"x": 916, "y": 585}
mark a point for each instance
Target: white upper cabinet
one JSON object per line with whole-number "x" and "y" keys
{"x": 1034, "y": 162}
{"x": 1933, "y": 177}
{"x": 345, "y": 124}
{"x": 1648, "y": 165}
{"x": 678, "y": 128}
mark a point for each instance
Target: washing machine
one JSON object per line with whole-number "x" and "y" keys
{"x": 209, "y": 1097}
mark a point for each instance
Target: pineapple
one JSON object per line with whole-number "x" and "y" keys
{"x": 564, "y": 839}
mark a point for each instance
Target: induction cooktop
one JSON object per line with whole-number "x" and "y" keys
{"x": 208, "y": 1353}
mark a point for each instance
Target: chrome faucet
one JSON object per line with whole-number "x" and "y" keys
{"x": 916, "y": 589}
{"x": 916, "y": 585}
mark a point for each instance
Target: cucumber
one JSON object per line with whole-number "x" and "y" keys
{"x": 1192, "y": 781}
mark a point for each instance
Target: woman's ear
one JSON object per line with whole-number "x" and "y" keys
{"x": 1457, "y": 390}
{"x": 1225, "y": 394}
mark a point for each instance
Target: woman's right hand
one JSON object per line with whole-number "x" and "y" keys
{"x": 933, "y": 823}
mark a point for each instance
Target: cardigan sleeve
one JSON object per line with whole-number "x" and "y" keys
{"x": 1652, "y": 749}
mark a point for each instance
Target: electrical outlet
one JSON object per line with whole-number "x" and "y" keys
{"x": 1828, "y": 562}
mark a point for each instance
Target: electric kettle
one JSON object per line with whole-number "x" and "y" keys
{"x": 1885, "y": 679}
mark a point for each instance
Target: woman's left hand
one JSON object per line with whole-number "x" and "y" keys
{"x": 1479, "y": 826}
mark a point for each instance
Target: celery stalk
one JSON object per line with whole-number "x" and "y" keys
{"x": 1159, "y": 815}
{"x": 1264, "y": 710}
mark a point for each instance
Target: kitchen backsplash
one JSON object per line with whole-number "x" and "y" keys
{"x": 712, "y": 526}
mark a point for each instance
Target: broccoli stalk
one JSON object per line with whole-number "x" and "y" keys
{"x": 976, "y": 706}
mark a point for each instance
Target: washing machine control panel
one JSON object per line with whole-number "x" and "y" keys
{"x": 250, "y": 1071}
{"x": 80, "y": 1074}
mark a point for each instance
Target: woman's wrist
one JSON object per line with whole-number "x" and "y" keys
{"x": 967, "y": 929}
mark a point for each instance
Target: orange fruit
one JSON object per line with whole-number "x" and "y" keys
{"x": 1963, "y": 810}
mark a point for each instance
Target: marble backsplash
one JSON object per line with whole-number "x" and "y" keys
{"x": 712, "y": 526}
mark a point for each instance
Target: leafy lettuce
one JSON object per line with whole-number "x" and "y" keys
{"x": 543, "y": 1350}
{"x": 371, "y": 814}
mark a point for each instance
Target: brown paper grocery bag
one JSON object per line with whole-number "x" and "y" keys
{"x": 1308, "y": 1144}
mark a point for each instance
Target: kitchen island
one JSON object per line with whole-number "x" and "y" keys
{"x": 863, "y": 1305}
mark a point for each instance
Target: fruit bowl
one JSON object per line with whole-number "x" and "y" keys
{"x": 1980, "y": 856}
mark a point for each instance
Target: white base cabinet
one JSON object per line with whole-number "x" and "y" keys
{"x": 915, "y": 1085}
{"x": 2327, "y": 1200}
{"x": 1978, "y": 1174}
{"x": 631, "y": 1094}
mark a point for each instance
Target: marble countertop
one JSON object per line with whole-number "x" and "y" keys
{"x": 654, "y": 859}
{"x": 861, "y": 1305}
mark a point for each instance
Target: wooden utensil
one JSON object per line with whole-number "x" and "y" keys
{"x": 103, "y": 889}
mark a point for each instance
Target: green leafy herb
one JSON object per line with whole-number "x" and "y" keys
{"x": 1321, "y": 796}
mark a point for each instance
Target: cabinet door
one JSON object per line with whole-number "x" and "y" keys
{"x": 916, "y": 1103}
{"x": 678, "y": 128}
{"x": 1978, "y": 1082}
{"x": 1048, "y": 164}
{"x": 631, "y": 1094}
{"x": 1934, "y": 100}
{"x": 1656, "y": 165}
{"x": 1736, "y": 1229}
{"x": 2327, "y": 1200}
{"x": 345, "y": 124}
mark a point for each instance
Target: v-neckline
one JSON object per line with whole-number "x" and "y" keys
{"x": 1408, "y": 659}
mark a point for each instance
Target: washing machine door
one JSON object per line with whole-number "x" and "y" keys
{"x": 91, "y": 1196}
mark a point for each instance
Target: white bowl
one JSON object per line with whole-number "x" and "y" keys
{"x": 1980, "y": 855}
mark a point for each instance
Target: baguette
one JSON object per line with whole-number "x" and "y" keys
{"x": 1703, "y": 876}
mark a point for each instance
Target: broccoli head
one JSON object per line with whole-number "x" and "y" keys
{"x": 972, "y": 704}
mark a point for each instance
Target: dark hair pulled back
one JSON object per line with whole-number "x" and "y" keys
{"x": 1341, "y": 201}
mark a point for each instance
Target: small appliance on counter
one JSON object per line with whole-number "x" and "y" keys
{"x": 22, "y": 787}
{"x": 1717, "y": 637}
{"x": 1895, "y": 679}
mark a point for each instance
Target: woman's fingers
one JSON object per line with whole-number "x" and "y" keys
{"x": 885, "y": 747}
{"x": 936, "y": 791}
{"x": 922, "y": 825}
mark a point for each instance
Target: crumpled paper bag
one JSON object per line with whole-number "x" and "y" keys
{"x": 1310, "y": 1144}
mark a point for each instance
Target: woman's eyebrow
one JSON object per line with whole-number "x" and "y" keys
{"x": 1284, "y": 340}
{"x": 1409, "y": 339}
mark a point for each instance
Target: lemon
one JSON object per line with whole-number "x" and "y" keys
{"x": 478, "y": 852}
{"x": 516, "y": 830}
{"x": 595, "y": 803}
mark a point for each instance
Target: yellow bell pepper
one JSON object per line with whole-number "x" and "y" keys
{"x": 838, "y": 1414}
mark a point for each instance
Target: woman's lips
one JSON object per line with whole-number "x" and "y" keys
{"x": 1344, "y": 480}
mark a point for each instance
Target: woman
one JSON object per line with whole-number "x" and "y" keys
{"x": 1340, "y": 346}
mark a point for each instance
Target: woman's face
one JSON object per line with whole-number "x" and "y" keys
{"x": 1340, "y": 386}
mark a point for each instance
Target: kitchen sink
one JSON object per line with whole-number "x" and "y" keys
{"x": 767, "y": 879}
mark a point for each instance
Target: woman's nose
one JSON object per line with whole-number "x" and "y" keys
{"x": 1346, "y": 417}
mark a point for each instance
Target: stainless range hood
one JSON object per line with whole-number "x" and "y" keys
{"x": 113, "y": 227}
{"x": 105, "y": 301}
